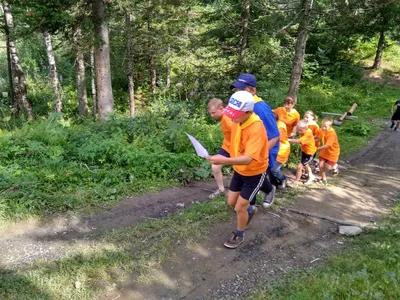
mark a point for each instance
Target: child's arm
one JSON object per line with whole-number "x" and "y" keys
{"x": 222, "y": 160}
{"x": 323, "y": 147}
{"x": 296, "y": 141}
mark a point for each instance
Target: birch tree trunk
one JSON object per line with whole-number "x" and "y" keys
{"x": 298, "y": 60}
{"x": 379, "y": 51}
{"x": 18, "y": 76}
{"x": 129, "y": 63}
{"x": 244, "y": 36}
{"x": 168, "y": 81}
{"x": 9, "y": 66}
{"x": 53, "y": 71}
{"x": 93, "y": 84}
{"x": 102, "y": 61}
{"x": 80, "y": 73}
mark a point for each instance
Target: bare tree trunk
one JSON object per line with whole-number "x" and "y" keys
{"x": 244, "y": 35}
{"x": 80, "y": 73}
{"x": 93, "y": 84}
{"x": 81, "y": 84}
{"x": 129, "y": 62}
{"x": 18, "y": 76}
{"x": 102, "y": 61}
{"x": 53, "y": 71}
{"x": 168, "y": 81}
{"x": 379, "y": 51}
{"x": 298, "y": 60}
{"x": 9, "y": 66}
{"x": 153, "y": 74}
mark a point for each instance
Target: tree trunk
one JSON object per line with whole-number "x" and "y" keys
{"x": 53, "y": 71}
{"x": 93, "y": 84}
{"x": 9, "y": 65}
{"x": 168, "y": 81}
{"x": 81, "y": 84}
{"x": 244, "y": 36}
{"x": 379, "y": 51}
{"x": 102, "y": 61}
{"x": 80, "y": 73}
{"x": 18, "y": 76}
{"x": 129, "y": 63}
{"x": 298, "y": 60}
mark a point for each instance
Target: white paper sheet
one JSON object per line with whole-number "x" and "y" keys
{"x": 200, "y": 150}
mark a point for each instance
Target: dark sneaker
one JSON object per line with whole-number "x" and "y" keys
{"x": 255, "y": 209}
{"x": 269, "y": 198}
{"x": 217, "y": 193}
{"x": 234, "y": 241}
{"x": 282, "y": 186}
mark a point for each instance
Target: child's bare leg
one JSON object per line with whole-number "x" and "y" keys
{"x": 217, "y": 171}
{"x": 311, "y": 177}
{"x": 299, "y": 172}
{"x": 322, "y": 169}
{"x": 241, "y": 213}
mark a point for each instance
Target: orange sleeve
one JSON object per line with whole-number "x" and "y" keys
{"x": 284, "y": 147}
{"x": 226, "y": 127}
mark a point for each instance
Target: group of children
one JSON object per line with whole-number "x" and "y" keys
{"x": 257, "y": 143}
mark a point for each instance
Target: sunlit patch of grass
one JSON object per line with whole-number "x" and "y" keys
{"x": 368, "y": 269}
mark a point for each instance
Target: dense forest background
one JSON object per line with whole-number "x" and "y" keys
{"x": 93, "y": 58}
{"x": 96, "y": 96}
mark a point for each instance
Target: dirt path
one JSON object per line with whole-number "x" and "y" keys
{"x": 275, "y": 241}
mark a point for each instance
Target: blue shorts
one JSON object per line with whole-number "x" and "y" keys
{"x": 248, "y": 186}
{"x": 223, "y": 152}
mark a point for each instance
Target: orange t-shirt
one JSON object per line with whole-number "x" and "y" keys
{"x": 253, "y": 143}
{"x": 307, "y": 143}
{"x": 314, "y": 127}
{"x": 289, "y": 118}
{"x": 226, "y": 127}
{"x": 284, "y": 146}
{"x": 329, "y": 138}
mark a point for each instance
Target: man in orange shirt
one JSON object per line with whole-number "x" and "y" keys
{"x": 249, "y": 157}
{"x": 330, "y": 150}
{"x": 215, "y": 107}
{"x": 308, "y": 150}
{"x": 288, "y": 115}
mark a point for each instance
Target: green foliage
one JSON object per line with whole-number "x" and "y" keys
{"x": 358, "y": 129}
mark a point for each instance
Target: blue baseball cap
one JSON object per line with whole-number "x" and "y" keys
{"x": 244, "y": 80}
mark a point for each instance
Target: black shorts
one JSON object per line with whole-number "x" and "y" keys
{"x": 223, "y": 152}
{"x": 306, "y": 158}
{"x": 396, "y": 115}
{"x": 248, "y": 186}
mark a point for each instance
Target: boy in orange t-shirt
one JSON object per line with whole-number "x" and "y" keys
{"x": 288, "y": 115}
{"x": 215, "y": 107}
{"x": 249, "y": 157}
{"x": 330, "y": 150}
{"x": 308, "y": 150}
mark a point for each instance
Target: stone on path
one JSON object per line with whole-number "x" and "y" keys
{"x": 350, "y": 230}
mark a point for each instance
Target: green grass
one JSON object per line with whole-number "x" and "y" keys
{"x": 135, "y": 250}
{"x": 368, "y": 269}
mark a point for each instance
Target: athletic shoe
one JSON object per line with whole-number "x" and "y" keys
{"x": 335, "y": 172}
{"x": 234, "y": 241}
{"x": 269, "y": 198}
{"x": 255, "y": 209}
{"x": 282, "y": 186}
{"x": 217, "y": 193}
{"x": 292, "y": 184}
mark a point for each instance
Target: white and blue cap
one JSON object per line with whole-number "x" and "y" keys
{"x": 239, "y": 103}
